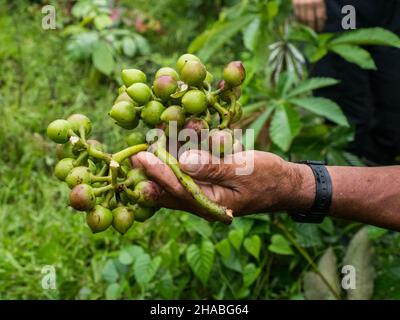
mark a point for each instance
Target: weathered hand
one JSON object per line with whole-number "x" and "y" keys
{"x": 311, "y": 13}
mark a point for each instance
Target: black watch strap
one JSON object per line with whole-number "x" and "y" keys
{"x": 323, "y": 195}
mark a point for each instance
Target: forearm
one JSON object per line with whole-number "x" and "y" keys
{"x": 368, "y": 195}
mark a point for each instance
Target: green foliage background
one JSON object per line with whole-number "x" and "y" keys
{"x": 47, "y": 74}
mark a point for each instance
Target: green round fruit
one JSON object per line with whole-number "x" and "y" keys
{"x": 58, "y": 131}
{"x": 194, "y": 102}
{"x": 121, "y": 89}
{"x": 63, "y": 168}
{"x": 209, "y": 78}
{"x": 151, "y": 113}
{"x": 123, "y": 112}
{"x": 185, "y": 58}
{"x": 234, "y": 73}
{"x": 78, "y": 121}
{"x": 196, "y": 124}
{"x": 123, "y": 219}
{"x": 136, "y": 175}
{"x": 142, "y": 213}
{"x": 95, "y": 144}
{"x": 123, "y": 97}
{"x": 174, "y": 113}
{"x": 164, "y": 86}
{"x": 64, "y": 151}
{"x": 99, "y": 219}
{"x": 82, "y": 197}
{"x": 167, "y": 71}
{"x": 140, "y": 93}
{"x": 78, "y": 175}
{"x": 193, "y": 73}
{"x": 130, "y": 125}
{"x": 131, "y": 76}
{"x": 149, "y": 192}
{"x": 135, "y": 138}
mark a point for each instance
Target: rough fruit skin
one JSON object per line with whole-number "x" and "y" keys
{"x": 234, "y": 73}
{"x": 58, "y": 131}
{"x": 82, "y": 197}
{"x": 196, "y": 124}
{"x": 78, "y": 176}
{"x": 140, "y": 93}
{"x": 63, "y": 168}
{"x": 185, "y": 58}
{"x": 64, "y": 151}
{"x": 99, "y": 218}
{"x": 131, "y": 76}
{"x": 149, "y": 192}
{"x": 136, "y": 175}
{"x": 79, "y": 120}
{"x": 123, "y": 112}
{"x": 142, "y": 213}
{"x": 194, "y": 102}
{"x": 166, "y": 71}
{"x": 164, "y": 86}
{"x": 123, "y": 219}
{"x": 151, "y": 113}
{"x": 174, "y": 113}
{"x": 135, "y": 138}
{"x": 193, "y": 73}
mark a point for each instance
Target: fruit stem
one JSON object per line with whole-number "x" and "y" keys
{"x": 93, "y": 152}
{"x": 82, "y": 134}
{"x": 114, "y": 169}
{"x": 101, "y": 190}
{"x": 133, "y": 195}
{"x": 103, "y": 170}
{"x": 214, "y": 210}
{"x": 83, "y": 155}
{"x": 128, "y": 152}
{"x": 101, "y": 178}
{"x": 107, "y": 199}
{"x": 225, "y": 115}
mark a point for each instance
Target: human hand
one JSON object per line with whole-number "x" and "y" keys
{"x": 311, "y": 13}
{"x": 273, "y": 185}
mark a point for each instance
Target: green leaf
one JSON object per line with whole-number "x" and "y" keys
{"x": 236, "y": 238}
{"x": 202, "y": 227}
{"x": 224, "y": 248}
{"x": 250, "y": 274}
{"x": 307, "y": 235}
{"x": 109, "y": 272}
{"x": 308, "y": 85}
{"x": 145, "y": 268}
{"x": 166, "y": 286}
{"x": 368, "y": 36}
{"x": 355, "y": 54}
{"x": 253, "y": 246}
{"x": 125, "y": 257}
{"x": 102, "y": 21}
{"x": 250, "y": 34}
{"x": 285, "y": 126}
{"x": 256, "y": 126}
{"x": 280, "y": 245}
{"x": 113, "y": 291}
{"x": 102, "y": 58}
{"x": 129, "y": 46}
{"x": 201, "y": 259}
{"x": 375, "y": 233}
{"x": 322, "y": 107}
{"x": 142, "y": 44}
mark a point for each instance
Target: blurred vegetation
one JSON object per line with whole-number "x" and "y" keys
{"x": 47, "y": 74}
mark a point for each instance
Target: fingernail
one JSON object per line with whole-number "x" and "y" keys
{"x": 190, "y": 161}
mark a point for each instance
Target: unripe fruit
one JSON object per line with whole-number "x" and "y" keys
{"x": 63, "y": 168}
{"x": 166, "y": 71}
{"x": 79, "y": 120}
{"x": 227, "y": 91}
{"x": 194, "y": 102}
{"x": 174, "y": 113}
{"x": 121, "y": 89}
{"x": 95, "y": 144}
{"x": 234, "y": 73}
{"x": 123, "y": 219}
{"x": 136, "y": 175}
{"x": 123, "y": 97}
{"x": 142, "y": 213}
{"x": 149, "y": 192}
{"x": 185, "y": 58}
{"x": 129, "y": 125}
{"x": 151, "y": 113}
{"x": 58, "y": 131}
{"x": 64, "y": 151}
{"x": 196, "y": 124}
{"x": 135, "y": 138}
{"x": 82, "y": 197}
{"x": 124, "y": 113}
{"x": 209, "y": 78}
{"x": 99, "y": 218}
{"x": 164, "y": 86}
{"x": 193, "y": 73}
{"x": 77, "y": 176}
{"x": 131, "y": 76}
{"x": 140, "y": 93}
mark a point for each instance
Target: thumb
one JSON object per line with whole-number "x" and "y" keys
{"x": 201, "y": 165}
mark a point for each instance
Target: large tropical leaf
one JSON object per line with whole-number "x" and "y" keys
{"x": 308, "y": 85}
{"x": 322, "y": 107}
{"x": 256, "y": 126}
{"x": 370, "y": 36}
{"x": 355, "y": 54}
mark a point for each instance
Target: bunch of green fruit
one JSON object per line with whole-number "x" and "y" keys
{"x": 103, "y": 184}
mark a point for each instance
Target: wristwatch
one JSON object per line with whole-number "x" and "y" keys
{"x": 323, "y": 195}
